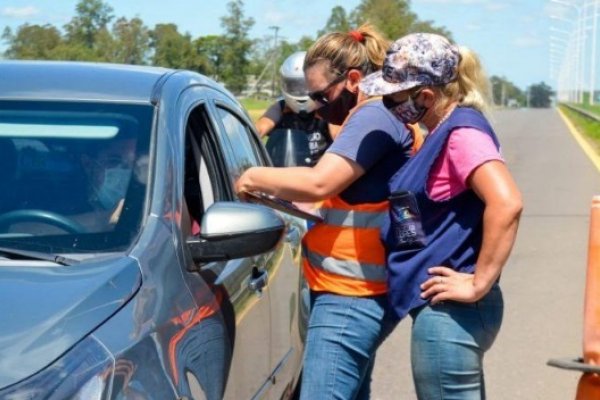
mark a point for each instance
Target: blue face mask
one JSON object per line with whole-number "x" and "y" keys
{"x": 114, "y": 186}
{"x": 407, "y": 111}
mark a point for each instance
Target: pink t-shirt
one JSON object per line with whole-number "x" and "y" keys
{"x": 466, "y": 149}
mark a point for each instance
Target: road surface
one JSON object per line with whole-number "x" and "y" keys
{"x": 544, "y": 279}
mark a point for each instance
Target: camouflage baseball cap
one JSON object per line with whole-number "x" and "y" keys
{"x": 418, "y": 59}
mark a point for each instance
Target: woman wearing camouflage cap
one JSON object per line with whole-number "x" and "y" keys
{"x": 454, "y": 212}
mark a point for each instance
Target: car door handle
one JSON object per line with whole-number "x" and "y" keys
{"x": 258, "y": 281}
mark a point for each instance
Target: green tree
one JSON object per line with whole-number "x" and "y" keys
{"x": 505, "y": 92}
{"x": 237, "y": 47}
{"x": 259, "y": 56}
{"x": 91, "y": 17}
{"x": 132, "y": 40}
{"x": 393, "y": 18}
{"x": 105, "y": 48}
{"x": 429, "y": 27}
{"x": 32, "y": 42}
{"x": 285, "y": 50}
{"x": 540, "y": 95}
{"x": 211, "y": 53}
{"x": 305, "y": 42}
{"x": 338, "y": 21}
{"x": 171, "y": 48}
{"x": 75, "y": 52}
{"x": 265, "y": 61}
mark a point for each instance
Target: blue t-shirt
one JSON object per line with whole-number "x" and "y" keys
{"x": 378, "y": 142}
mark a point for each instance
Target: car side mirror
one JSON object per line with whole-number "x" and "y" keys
{"x": 232, "y": 230}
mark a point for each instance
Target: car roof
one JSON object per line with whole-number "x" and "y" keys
{"x": 79, "y": 81}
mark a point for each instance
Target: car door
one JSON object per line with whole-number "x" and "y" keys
{"x": 244, "y": 308}
{"x": 246, "y": 279}
{"x": 281, "y": 265}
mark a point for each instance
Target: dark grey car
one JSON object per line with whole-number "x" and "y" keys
{"x": 129, "y": 269}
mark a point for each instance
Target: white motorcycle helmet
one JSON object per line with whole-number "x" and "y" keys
{"x": 293, "y": 84}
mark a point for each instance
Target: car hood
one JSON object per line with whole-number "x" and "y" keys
{"x": 45, "y": 310}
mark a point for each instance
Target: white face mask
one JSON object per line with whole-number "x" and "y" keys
{"x": 114, "y": 186}
{"x": 407, "y": 111}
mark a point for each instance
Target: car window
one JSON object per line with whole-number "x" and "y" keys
{"x": 74, "y": 174}
{"x": 237, "y": 135}
{"x": 206, "y": 175}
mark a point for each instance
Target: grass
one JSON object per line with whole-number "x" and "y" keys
{"x": 254, "y": 104}
{"x": 255, "y": 107}
{"x": 589, "y": 128}
{"x": 594, "y": 109}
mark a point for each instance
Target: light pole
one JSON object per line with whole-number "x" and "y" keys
{"x": 593, "y": 71}
{"x": 275, "y": 53}
{"x": 580, "y": 39}
{"x": 557, "y": 61}
{"x": 569, "y": 47}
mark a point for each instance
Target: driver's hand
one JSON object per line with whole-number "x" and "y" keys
{"x": 116, "y": 214}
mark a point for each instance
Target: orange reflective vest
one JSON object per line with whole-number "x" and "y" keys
{"x": 344, "y": 254}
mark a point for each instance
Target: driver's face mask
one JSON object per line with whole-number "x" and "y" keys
{"x": 113, "y": 187}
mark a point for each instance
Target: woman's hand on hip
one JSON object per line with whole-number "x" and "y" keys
{"x": 448, "y": 284}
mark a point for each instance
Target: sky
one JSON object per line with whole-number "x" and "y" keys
{"x": 512, "y": 37}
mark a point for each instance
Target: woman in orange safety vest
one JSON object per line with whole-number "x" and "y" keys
{"x": 344, "y": 260}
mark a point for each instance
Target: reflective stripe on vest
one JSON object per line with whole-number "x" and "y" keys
{"x": 353, "y": 219}
{"x": 349, "y": 268}
{"x": 343, "y": 253}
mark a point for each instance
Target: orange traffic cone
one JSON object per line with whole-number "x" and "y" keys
{"x": 589, "y": 383}
{"x": 588, "y": 387}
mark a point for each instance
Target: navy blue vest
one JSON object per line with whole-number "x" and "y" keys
{"x": 420, "y": 233}
{"x": 317, "y": 131}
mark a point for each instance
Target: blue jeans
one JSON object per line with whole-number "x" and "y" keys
{"x": 343, "y": 335}
{"x": 448, "y": 343}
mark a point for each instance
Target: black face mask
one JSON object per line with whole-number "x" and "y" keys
{"x": 336, "y": 111}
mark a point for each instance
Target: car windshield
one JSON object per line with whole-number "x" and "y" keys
{"x": 73, "y": 175}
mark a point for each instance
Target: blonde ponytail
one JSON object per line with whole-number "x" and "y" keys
{"x": 363, "y": 49}
{"x": 471, "y": 88}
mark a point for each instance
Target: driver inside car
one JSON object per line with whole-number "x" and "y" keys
{"x": 109, "y": 168}
{"x": 8, "y": 166}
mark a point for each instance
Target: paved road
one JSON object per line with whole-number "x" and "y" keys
{"x": 544, "y": 279}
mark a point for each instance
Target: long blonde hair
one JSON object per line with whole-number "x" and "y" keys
{"x": 363, "y": 49}
{"x": 472, "y": 88}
